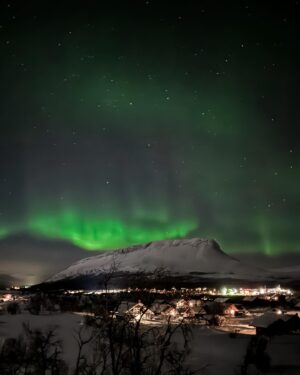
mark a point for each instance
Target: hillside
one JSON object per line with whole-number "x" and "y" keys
{"x": 188, "y": 257}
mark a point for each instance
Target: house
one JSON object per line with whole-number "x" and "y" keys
{"x": 199, "y": 310}
{"x": 134, "y": 310}
{"x": 170, "y": 313}
{"x": 255, "y": 301}
{"x": 140, "y": 311}
{"x": 188, "y": 312}
{"x": 183, "y": 303}
{"x": 271, "y": 324}
{"x": 213, "y": 308}
{"x": 242, "y": 311}
{"x": 230, "y": 310}
{"x": 158, "y": 306}
{"x": 124, "y": 307}
{"x": 264, "y": 322}
{"x": 186, "y": 308}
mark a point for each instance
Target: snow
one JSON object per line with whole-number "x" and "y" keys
{"x": 267, "y": 319}
{"x": 211, "y": 349}
{"x": 292, "y": 272}
{"x": 67, "y": 324}
{"x": 290, "y": 269}
{"x": 175, "y": 256}
{"x": 216, "y": 350}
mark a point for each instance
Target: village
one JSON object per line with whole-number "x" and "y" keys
{"x": 235, "y": 310}
{"x": 244, "y": 325}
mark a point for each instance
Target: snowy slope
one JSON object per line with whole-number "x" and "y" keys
{"x": 179, "y": 257}
{"x": 292, "y": 272}
{"x": 290, "y": 269}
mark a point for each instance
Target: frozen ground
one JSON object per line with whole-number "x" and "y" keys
{"x": 213, "y": 349}
{"x": 11, "y": 326}
{"x": 216, "y": 350}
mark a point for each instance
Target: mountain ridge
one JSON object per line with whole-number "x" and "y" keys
{"x": 178, "y": 257}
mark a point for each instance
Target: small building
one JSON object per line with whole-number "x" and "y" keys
{"x": 188, "y": 312}
{"x": 199, "y": 311}
{"x": 140, "y": 311}
{"x": 242, "y": 311}
{"x": 183, "y": 303}
{"x": 170, "y": 313}
{"x": 158, "y": 306}
{"x": 186, "y": 309}
{"x": 263, "y": 322}
{"x": 213, "y": 308}
{"x": 136, "y": 311}
{"x": 255, "y": 301}
{"x": 124, "y": 307}
{"x": 274, "y": 324}
{"x": 230, "y": 310}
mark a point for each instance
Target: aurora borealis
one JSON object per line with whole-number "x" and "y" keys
{"x": 128, "y": 122}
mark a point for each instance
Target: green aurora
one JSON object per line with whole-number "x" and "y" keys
{"x": 95, "y": 234}
{"x": 114, "y": 138}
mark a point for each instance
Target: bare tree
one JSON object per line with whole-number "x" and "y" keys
{"x": 34, "y": 353}
{"x": 109, "y": 273}
{"x": 44, "y": 351}
{"x": 123, "y": 345}
{"x": 82, "y": 342}
{"x": 13, "y": 356}
{"x": 127, "y": 346}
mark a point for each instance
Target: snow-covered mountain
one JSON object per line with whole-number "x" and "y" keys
{"x": 194, "y": 257}
{"x": 292, "y": 272}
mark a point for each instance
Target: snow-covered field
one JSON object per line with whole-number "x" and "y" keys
{"x": 11, "y": 326}
{"x": 214, "y": 349}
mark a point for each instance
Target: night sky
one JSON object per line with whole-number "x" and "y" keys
{"x": 124, "y": 122}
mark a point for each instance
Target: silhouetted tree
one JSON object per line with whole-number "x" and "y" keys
{"x": 126, "y": 346}
{"x": 257, "y": 355}
{"x": 13, "y": 356}
{"x": 35, "y": 352}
